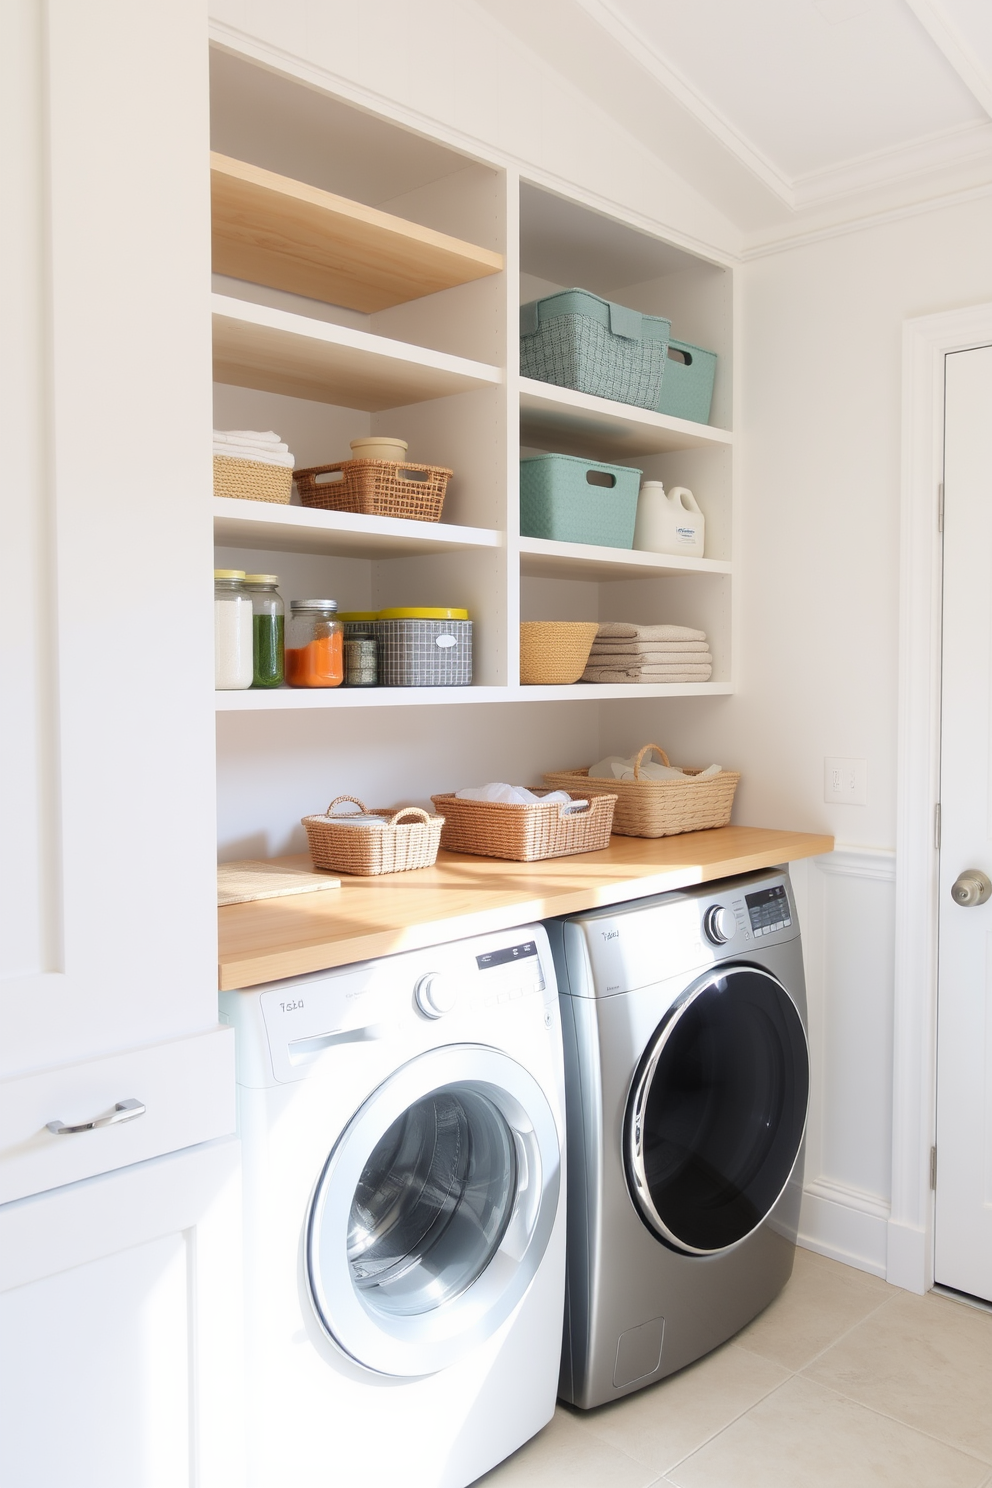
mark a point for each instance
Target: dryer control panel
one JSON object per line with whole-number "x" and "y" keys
{"x": 647, "y": 940}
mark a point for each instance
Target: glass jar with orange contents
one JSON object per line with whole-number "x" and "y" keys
{"x": 314, "y": 644}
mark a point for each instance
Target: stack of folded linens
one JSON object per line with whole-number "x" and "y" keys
{"x": 648, "y": 653}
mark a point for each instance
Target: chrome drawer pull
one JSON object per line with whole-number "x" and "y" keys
{"x": 125, "y": 1110}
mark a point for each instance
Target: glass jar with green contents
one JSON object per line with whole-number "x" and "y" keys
{"x": 268, "y": 630}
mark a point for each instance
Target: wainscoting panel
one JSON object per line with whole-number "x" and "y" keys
{"x": 846, "y": 908}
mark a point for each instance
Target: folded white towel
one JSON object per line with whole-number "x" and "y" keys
{"x": 518, "y": 795}
{"x": 621, "y": 630}
{"x": 257, "y": 454}
{"x": 627, "y": 659}
{"x": 269, "y": 439}
{"x": 646, "y": 648}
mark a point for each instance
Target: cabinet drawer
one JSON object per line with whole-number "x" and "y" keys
{"x": 186, "y": 1088}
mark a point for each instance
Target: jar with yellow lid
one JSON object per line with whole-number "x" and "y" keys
{"x": 424, "y": 647}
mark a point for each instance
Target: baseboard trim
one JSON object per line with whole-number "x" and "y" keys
{"x": 845, "y": 1225}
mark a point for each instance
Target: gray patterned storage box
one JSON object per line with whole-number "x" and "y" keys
{"x": 424, "y": 653}
{"x": 576, "y": 339}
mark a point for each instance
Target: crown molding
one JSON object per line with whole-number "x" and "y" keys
{"x": 636, "y": 44}
{"x": 956, "y": 49}
{"x": 886, "y": 167}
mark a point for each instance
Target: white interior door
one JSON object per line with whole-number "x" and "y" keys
{"x": 963, "y": 1253}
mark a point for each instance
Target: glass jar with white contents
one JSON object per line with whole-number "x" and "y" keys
{"x": 233, "y": 659}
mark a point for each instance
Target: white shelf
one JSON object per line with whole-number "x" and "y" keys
{"x": 573, "y": 423}
{"x": 294, "y": 698}
{"x": 274, "y": 351}
{"x": 542, "y": 558}
{"x": 300, "y": 529}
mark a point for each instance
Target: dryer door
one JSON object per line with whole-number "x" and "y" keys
{"x": 717, "y": 1112}
{"x": 433, "y": 1211}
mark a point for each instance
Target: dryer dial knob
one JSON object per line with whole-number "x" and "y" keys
{"x": 435, "y": 994}
{"x": 719, "y": 924}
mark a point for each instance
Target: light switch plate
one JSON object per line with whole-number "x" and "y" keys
{"x": 845, "y": 781}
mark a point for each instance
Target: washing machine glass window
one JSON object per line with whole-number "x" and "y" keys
{"x": 717, "y": 1112}
{"x": 433, "y": 1210}
{"x": 433, "y": 1202}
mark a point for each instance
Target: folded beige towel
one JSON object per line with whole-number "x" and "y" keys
{"x": 648, "y": 674}
{"x": 619, "y": 630}
{"x": 646, "y": 648}
{"x": 651, "y": 658}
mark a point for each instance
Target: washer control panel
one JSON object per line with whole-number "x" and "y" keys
{"x": 510, "y": 972}
{"x": 768, "y": 910}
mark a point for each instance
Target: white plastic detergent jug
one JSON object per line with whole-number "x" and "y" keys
{"x": 669, "y": 523}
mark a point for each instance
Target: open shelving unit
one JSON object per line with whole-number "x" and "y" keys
{"x": 391, "y": 307}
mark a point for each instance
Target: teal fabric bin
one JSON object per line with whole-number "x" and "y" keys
{"x": 687, "y": 388}
{"x": 577, "y": 340}
{"x": 571, "y": 500}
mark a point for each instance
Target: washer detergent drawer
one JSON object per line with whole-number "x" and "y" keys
{"x": 64, "y": 1124}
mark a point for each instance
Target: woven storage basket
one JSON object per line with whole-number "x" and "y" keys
{"x": 582, "y": 501}
{"x": 377, "y": 488}
{"x": 555, "y": 652}
{"x": 658, "y": 808}
{"x": 252, "y": 480}
{"x": 367, "y": 850}
{"x": 576, "y": 339}
{"x": 494, "y": 829}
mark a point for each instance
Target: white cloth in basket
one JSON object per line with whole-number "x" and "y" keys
{"x": 615, "y": 767}
{"x": 518, "y": 795}
{"x": 249, "y": 444}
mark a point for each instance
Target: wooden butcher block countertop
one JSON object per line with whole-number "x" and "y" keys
{"x": 463, "y": 895}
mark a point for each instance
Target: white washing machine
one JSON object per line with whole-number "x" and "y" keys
{"x": 687, "y": 1072}
{"x": 402, "y": 1123}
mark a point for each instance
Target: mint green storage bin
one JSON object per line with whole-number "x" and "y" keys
{"x": 576, "y": 339}
{"x": 687, "y": 387}
{"x": 581, "y": 501}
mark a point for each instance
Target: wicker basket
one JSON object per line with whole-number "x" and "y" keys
{"x": 252, "y": 480}
{"x": 377, "y": 488}
{"x": 658, "y": 808}
{"x": 495, "y": 829}
{"x": 367, "y": 850}
{"x": 555, "y": 651}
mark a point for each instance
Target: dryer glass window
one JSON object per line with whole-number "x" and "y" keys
{"x": 717, "y": 1115}
{"x": 432, "y": 1203}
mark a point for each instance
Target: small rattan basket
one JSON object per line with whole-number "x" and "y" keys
{"x": 555, "y": 651}
{"x": 377, "y": 488}
{"x": 494, "y": 829}
{"x": 368, "y": 850}
{"x": 658, "y": 808}
{"x": 252, "y": 480}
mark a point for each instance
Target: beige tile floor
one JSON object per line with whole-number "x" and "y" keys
{"x": 844, "y": 1382}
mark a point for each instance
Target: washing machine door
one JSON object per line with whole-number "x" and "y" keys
{"x": 717, "y": 1111}
{"x": 433, "y": 1211}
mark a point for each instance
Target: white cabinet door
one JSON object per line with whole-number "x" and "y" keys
{"x": 107, "y": 917}
{"x": 120, "y": 1346}
{"x": 963, "y": 1229}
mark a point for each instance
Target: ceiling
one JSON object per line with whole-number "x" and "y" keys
{"x": 786, "y": 114}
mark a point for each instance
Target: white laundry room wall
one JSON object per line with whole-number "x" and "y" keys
{"x": 818, "y": 481}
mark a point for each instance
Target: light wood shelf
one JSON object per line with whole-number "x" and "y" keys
{"x": 464, "y": 895}
{"x": 299, "y": 529}
{"x": 573, "y": 423}
{"x": 275, "y": 351}
{"x": 271, "y": 230}
{"x": 542, "y": 558}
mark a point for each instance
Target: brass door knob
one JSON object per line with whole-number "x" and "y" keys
{"x": 970, "y": 888}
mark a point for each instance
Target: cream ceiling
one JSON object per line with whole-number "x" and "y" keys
{"x": 788, "y": 115}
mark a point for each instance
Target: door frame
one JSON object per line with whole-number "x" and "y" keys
{"x": 926, "y": 342}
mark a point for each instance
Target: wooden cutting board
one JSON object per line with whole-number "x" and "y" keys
{"x": 238, "y": 883}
